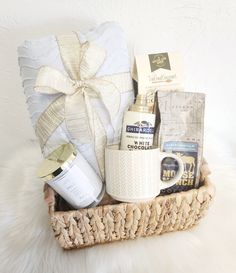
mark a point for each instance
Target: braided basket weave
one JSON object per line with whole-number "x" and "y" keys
{"x": 113, "y": 221}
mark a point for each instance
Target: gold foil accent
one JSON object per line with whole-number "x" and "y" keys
{"x": 58, "y": 161}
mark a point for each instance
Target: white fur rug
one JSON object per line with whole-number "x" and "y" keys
{"x": 27, "y": 244}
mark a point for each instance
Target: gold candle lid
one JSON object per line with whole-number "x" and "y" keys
{"x": 56, "y": 162}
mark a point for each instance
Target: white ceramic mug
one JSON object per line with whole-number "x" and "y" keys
{"x": 134, "y": 176}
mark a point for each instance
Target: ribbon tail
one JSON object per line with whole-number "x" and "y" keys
{"x": 49, "y": 120}
{"x": 99, "y": 136}
{"x": 100, "y": 142}
{"x": 76, "y": 118}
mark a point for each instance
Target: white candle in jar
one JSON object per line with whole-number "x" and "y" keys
{"x": 71, "y": 176}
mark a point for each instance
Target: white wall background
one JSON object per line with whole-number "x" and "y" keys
{"x": 204, "y": 31}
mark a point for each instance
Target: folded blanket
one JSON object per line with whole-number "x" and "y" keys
{"x": 77, "y": 88}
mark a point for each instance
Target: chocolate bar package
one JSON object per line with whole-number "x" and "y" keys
{"x": 181, "y": 132}
{"x": 158, "y": 71}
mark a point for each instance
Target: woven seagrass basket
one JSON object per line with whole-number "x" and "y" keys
{"x": 112, "y": 221}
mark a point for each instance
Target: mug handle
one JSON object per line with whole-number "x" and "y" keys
{"x": 176, "y": 178}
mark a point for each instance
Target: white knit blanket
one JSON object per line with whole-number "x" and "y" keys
{"x": 28, "y": 245}
{"x": 35, "y": 54}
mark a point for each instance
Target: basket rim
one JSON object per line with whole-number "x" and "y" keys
{"x": 208, "y": 186}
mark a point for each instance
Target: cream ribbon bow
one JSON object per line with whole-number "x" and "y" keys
{"x": 83, "y": 122}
